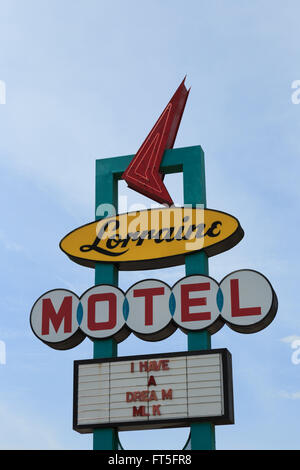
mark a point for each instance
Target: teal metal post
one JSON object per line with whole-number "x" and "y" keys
{"x": 202, "y": 434}
{"x": 106, "y": 193}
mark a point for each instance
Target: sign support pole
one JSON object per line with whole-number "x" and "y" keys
{"x": 105, "y": 273}
{"x": 189, "y": 161}
{"x": 202, "y": 434}
{"x": 105, "y": 439}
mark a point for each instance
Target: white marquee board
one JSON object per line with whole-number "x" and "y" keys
{"x": 153, "y": 391}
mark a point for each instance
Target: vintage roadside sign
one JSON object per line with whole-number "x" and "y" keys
{"x": 152, "y": 238}
{"x": 151, "y": 391}
{"x": 152, "y": 310}
{"x": 191, "y": 388}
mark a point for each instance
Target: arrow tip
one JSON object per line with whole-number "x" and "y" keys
{"x": 143, "y": 174}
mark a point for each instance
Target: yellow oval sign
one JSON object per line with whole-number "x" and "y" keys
{"x": 153, "y": 238}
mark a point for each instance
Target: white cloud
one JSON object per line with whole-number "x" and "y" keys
{"x": 290, "y": 339}
{"x": 290, "y": 395}
{"x": 8, "y": 244}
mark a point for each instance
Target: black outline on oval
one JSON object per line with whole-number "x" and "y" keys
{"x": 121, "y": 334}
{"x": 268, "y": 318}
{"x": 172, "y": 326}
{"x": 68, "y": 343}
{"x": 165, "y": 332}
{"x": 216, "y": 325}
{"x": 168, "y": 261}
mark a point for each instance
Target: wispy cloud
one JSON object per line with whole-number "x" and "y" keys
{"x": 8, "y": 244}
{"x": 290, "y": 339}
{"x": 68, "y": 284}
{"x": 290, "y": 395}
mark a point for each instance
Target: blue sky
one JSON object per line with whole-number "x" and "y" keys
{"x": 88, "y": 79}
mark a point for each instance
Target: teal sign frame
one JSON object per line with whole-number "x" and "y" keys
{"x": 190, "y": 162}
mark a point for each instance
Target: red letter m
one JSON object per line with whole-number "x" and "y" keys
{"x": 139, "y": 411}
{"x": 64, "y": 314}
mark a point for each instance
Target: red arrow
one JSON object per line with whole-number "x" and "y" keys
{"x": 143, "y": 174}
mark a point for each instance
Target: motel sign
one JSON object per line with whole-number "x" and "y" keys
{"x": 188, "y": 388}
